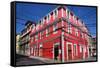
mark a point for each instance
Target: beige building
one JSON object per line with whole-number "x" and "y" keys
{"x": 17, "y": 43}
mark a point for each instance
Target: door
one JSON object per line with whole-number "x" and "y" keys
{"x": 69, "y": 52}
{"x": 40, "y": 52}
{"x": 82, "y": 52}
{"x": 56, "y": 52}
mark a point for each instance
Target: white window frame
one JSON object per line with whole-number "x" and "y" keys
{"x": 55, "y": 44}
{"x": 67, "y": 44}
{"x": 55, "y": 14}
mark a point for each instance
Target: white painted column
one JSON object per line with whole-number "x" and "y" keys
{"x": 62, "y": 39}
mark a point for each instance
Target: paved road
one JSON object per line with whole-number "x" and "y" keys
{"x": 24, "y": 60}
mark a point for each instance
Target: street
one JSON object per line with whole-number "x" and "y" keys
{"x": 24, "y": 60}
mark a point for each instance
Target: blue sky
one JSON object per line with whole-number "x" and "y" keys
{"x": 34, "y": 12}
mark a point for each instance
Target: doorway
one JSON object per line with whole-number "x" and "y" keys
{"x": 82, "y": 51}
{"x": 69, "y": 52}
{"x": 56, "y": 52}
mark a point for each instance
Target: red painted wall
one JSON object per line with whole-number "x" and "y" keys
{"x": 48, "y": 53}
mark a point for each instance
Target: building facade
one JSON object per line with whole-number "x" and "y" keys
{"x": 60, "y": 35}
{"x": 18, "y": 43}
{"x": 25, "y": 39}
{"x": 93, "y": 47}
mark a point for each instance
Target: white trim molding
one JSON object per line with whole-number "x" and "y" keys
{"x": 67, "y": 49}
{"x": 76, "y": 50}
{"x": 58, "y": 44}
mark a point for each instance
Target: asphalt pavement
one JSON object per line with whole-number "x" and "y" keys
{"x": 25, "y": 60}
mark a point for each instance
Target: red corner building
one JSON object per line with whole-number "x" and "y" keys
{"x": 60, "y": 35}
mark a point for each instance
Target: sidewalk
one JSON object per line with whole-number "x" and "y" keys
{"x": 83, "y": 60}
{"x": 45, "y": 60}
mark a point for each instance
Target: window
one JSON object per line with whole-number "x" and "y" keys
{"x": 75, "y": 49}
{"x": 36, "y": 37}
{"x": 41, "y": 50}
{"x": 74, "y": 19}
{"x": 48, "y": 18}
{"x": 76, "y": 32}
{"x": 55, "y": 28}
{"x": 35, "y": 50}
{"x": 80, "y": 48}
{"x": 55, "y": 14}
{"x": 67, "y": 13}
{"x": 37, "y": 26}
{"x": 69, "y": 28}
{"x": 26, "y": 46}
{"x": 32, "y": 38}
{"x": 47, "y": 32}
{"x": 27, "y": 37}
{"x": 41, "y": 46}
{"x": 42, "y": 22}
